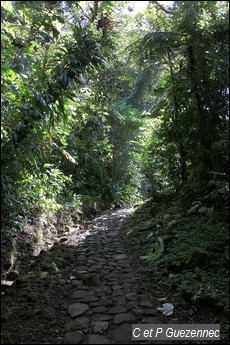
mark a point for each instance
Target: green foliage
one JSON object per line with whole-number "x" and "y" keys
{"x": 70, "y": 99}
{"x": 60, "y": 140}
{"x": 204, "y": 249}
{"x": 188, "y": 93}
{"x": 193, "y": 267}
{"x": 157, "y": 252}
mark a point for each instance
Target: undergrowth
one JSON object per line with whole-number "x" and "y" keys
{"x": 185, "y": 257}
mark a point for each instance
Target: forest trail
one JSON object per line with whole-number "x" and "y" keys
{"x": 94, "y": 299}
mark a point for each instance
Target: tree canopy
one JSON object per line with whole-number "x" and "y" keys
{"x": 99, "y": 103}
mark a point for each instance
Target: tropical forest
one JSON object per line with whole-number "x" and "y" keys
{"x": 114, "y": 172}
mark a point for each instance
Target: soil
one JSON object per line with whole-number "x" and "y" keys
{"x": 88, "y": 288}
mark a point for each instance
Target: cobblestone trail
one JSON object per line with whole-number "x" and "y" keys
{"x": 106, "y": 298}
{"x": 82, "y": 291}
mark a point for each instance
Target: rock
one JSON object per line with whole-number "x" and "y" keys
{"x": 83, "y": 287}
{"x": 103, "y": 289}
{"x": 152, "y": 320}
{"x": 81, "y": 323}
{"x": 90, "y": 280}
{"x": 79, "y": 294}
{"x": 120, "y": 318}
{"x": 99, "y": 309}
{"x": 81, "y": 272}
{"x": 123, "y": 334}
{"x": 100, "y": 326}
{"x": 137, "y": 311}
{"x": 129, "y": 281}
{"x": 120, "y": 300}
{"x": 131, "y": 305}
{"x": 101, "y": 317}
{"x": 150, "y": 311}
{"x": 146, "y": 303}
{"x": 73, "y": 337}
{"x": 131, "y": 296}
{"x": 106, "y": 302}
{"x": 118, "y": 293}
{"x": 117, "y": 310}
{"x": 76, "y": 309}
{"x": 97, "y": 339}
{"x": 89, "y": 299}
{"x": 119, "y": 256}
{"x": 83, "y": 268}
{"x": 94, "y": 304}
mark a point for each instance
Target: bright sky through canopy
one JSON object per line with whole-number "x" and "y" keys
{"x": 140, "y": 6}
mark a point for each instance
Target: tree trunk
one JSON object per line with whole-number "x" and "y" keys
{"x": 201, "y": 117}
{"x": 181, "y": 149}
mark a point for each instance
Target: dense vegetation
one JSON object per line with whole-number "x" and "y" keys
{"x": 74, "y": 127}
{"x": 101, "y": 107}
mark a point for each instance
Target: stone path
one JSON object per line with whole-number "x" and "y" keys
{"x": 82, "y": 291}
{"x": 105, "y": 297}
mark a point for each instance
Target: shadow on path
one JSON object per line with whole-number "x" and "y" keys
{"x": 83, "y": 291}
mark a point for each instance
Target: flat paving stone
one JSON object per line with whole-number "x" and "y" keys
{"x": 99, "y": 309}
{"x": 81, "y": 294}
{"x": 146, "y": 303}
{"x": 97, "y": 339}
{"x": 119, "y": 256}
{"x": 118, "y": 293}
{"x": 120, "y": 318}
{"x": 100, "y": 326}
{"x": 82, "y": 268}
{"x": 77, "y": 309}
{"x": 120, "y": 300}
{"x": 117, "y": 310}
{"x": 89, "y": 299}
{"x": 123, "y": 333}
{"x": 80, "y": 323}
{"x": 101, "y": 317}
{"x": 73, "y": 337}
{"x": 106, "y": 302}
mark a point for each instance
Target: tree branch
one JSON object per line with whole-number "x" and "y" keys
{"x": 161, "y": 7}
